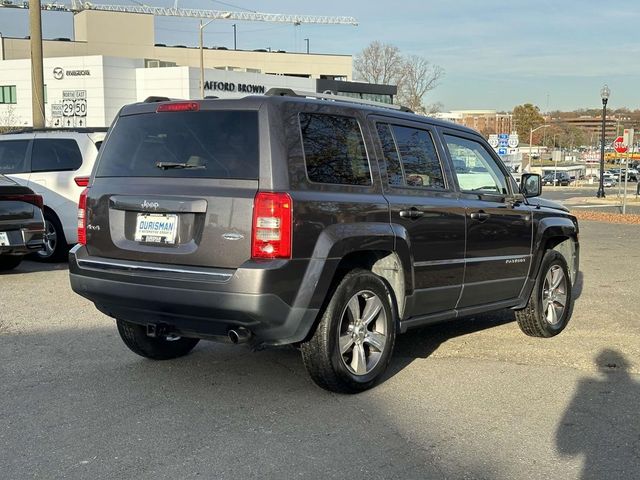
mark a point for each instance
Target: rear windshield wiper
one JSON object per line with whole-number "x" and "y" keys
{"x": 167, "y": 165}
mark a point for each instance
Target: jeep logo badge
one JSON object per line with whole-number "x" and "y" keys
{"x": 153, "y": 205}
{"x": 58, "y": 73}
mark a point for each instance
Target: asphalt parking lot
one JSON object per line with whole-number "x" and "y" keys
{"x": 472, "y": 399}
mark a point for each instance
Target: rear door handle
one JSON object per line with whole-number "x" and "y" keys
{"x": 480, "y": 216}
{"x": 412, "y": 213}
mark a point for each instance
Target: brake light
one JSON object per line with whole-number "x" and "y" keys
{"x": 178, "y": 107}
{"x": 81, "y": 181}
{"x": 271, "y": 228}
{"x": 82, "y": 217}
{"x": 33, "y": 199}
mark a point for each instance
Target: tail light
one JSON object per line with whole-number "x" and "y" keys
{"x": 82, "y": 217}
{"x": 33, "y": 199}
{"x": 271, "y": 228}
{"x": 81, "y": 181}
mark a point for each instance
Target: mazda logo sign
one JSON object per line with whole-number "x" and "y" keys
{"x": 58, "y": 73}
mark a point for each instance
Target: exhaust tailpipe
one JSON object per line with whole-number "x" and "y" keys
{"x": 239, "y": 335}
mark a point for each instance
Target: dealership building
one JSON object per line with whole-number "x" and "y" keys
{"x": 88, "y": 79}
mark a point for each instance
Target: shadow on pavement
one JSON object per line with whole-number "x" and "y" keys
{"x": 422, "y": 342}
{"x": 80, "y": 405}
{"x": 32, "y": 266}
{"x": 602, "y": 422}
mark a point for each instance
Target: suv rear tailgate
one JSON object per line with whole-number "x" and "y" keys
{"x": 176, "y": 188}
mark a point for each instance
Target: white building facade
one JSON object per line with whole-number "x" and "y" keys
{"x": 88, "y": 91}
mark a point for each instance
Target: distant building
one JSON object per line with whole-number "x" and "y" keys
{"x": 484, "y": 121}
{"x": 591, "y": 126}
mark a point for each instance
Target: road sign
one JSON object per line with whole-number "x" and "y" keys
{"x": 67, "y": 107}
{"x": 80, "y": 107}
{"x": 513, "y": 140}
{"x": 628, "y": 137}
{"x": 493, "y": 140}
{"x": 56, "y": 110}
{"x": 502, "y": 151}
{"x": 503, "y": 136}
{"x": 619, "y": 146}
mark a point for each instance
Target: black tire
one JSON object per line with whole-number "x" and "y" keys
{"x": 326, "y": 364}
{"x": 56, "y": 247}
{"x": 537, "y": 319}
{"x": 9, "y": 262}
{"x": 135, "y": 337}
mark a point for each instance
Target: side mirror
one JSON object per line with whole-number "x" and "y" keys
{"x": 531, "y": 185}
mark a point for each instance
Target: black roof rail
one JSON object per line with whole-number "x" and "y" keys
{"x": 288, "y": 92}
{"x": 58, "y": 129}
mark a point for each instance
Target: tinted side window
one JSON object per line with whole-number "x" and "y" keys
{"x": 392, "y": 159}
{"x": 334, "y": 149}
{"x": 420, "y": 163}
{"x": 475, "y": 168}
{"x": 13, "y": 155}
{"x": 55, "y": 155}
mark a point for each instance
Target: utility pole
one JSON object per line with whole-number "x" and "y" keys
{"x": 37, "y": 75}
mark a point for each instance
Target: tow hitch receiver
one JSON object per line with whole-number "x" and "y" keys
{"x": 158, "y": 330}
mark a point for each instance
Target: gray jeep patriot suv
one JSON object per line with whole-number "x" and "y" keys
{"x": 326, "y": 223}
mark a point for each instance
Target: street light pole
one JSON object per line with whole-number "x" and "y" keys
{"x": 604, "y": 95}
{"x": 531, "y": 142}
{"x": 307, "y": 40}
{"x": 235, "y": 43}
{"x": 202, "y": 56}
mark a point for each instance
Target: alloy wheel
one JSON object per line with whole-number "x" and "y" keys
{"x": 50, "y": 240}
{"x": 554, "y": 295}
{"x": 363, "y": 332}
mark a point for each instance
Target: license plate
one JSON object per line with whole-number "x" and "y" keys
{"x": 4, "y": 239}
{"x": 156, "y": 228}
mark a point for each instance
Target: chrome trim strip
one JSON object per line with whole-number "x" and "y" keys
{"x": 148, "y": 268}
{"x": 454, "y": 261}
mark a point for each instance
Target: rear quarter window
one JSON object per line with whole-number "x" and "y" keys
{"x": 209, "y": 144}
{"x": 13, "y": 156}
{"x": 55, "y": 155}
{"x": 334, "y": 149}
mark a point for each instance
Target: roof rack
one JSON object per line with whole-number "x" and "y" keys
{"x": 59, "y": 129}
{"x": 288, "y": 92}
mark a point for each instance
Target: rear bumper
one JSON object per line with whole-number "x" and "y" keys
{"x": 199, "y": 302}
{"x": 23, "y": 240}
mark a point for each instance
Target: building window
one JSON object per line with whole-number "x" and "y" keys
{"x": 8, "y": 94}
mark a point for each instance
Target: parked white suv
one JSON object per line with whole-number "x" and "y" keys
{"x": 56, "y": 164}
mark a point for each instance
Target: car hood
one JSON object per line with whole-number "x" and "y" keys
{"x": 543, "y": 202}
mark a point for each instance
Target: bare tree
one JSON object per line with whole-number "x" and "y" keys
{"x": 379, "y": 63}
{"x": 414, "y": 75}
{"x": 8, "y": 120}
{"x": 419, "y": 77}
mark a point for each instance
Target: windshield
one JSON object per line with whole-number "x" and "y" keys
{"x": 211, "y": 144}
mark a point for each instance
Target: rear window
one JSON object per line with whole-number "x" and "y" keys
{"x": 13, "y": 156}
{"x": 209, "y": 144}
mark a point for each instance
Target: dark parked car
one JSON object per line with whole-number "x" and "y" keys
{"x": 557, "y": 178}
{"x": 326, "y": 223}
{"x": 21, "y": 223}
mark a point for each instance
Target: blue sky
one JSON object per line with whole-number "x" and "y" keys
{"x": 496, "y": 53}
